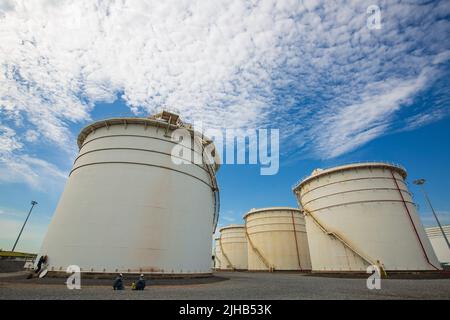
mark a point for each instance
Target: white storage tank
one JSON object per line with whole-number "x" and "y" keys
{"x": 127, "y": 207}
{"x": 277, "y": 239}
{"x": 218, "y": 257}
{"x": 439, "y": 244}
{"x": 363, "y": 214}
{"x": 232, "y": 245}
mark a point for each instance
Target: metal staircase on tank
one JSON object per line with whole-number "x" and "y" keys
{"x": 225, "y": 255}
{"x": 346, "y": 243}
{"x": 258, "y": 253}
{"x": 170, "y": 118}
{"x": 173, "y": 119}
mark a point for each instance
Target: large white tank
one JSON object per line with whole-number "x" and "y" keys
{"x": 277, "y": 239}
{"x": 439, "y": 244}
{"x": 363, "y": 214}
{"x": 127, "y": 207}
{"x": 232, "y": 245}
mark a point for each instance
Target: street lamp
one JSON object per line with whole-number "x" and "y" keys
{"x": 421, "y": 182}
{"x": 33, "y": 203}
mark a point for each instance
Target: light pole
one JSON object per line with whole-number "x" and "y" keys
{"x": 421, "y": 182}
{"x": 33, "y": 203}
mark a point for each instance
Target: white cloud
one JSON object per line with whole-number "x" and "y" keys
{"x": 11, "y": 212}
{"x": 8, "y": 140}
{"x": 30, "y": 240}
{"x": 6, "y": 5}
{"x": 228, "y": 218}
{"x": 351, "y": 126}
{"x": 428, "y": 220}
{"x": 310, "y": 68}
{"x": 16, "y": 166}
{"x": 422, "y": 119}
{"x": 31, "y": 135}
{"x": 36, "y": 173}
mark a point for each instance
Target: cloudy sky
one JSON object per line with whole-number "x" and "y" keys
{"x": 337, "y": 90}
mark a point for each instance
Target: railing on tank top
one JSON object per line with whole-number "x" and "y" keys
{"x": 348, "y": 163}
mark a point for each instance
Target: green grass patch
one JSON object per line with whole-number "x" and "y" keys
{"x": 11, "y": 254}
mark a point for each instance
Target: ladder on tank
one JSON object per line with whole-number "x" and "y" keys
{"x": 217, "y": 258}
{"x": 214, "y": 187}
{"x": 225, "y": 255}
{"x": 346, "y": 243}
{"x": 258, "y": 253}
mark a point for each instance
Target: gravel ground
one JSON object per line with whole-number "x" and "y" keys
{"x": 232, "y": 285}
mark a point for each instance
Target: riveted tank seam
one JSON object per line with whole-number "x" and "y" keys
{"x": 341, "y": 181}
{"x": 138, "y": 149}
{"x": 137, "y": 163}
{"x": 350, "y": 191}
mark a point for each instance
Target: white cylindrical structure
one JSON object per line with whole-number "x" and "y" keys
{"x": 363, "y": 214}
{"x": 439, "y": 244}
{"x": 218, "y": 257}
{"x": 127, "y": 207}
{"x": 233, "y": 247}
{"x": 277, "y": 239}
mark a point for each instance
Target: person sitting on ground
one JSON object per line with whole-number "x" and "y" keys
{"x": 118, "y": 283}
{"x": 140, "y": 284}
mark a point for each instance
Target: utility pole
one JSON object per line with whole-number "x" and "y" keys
{"x": 421, "y": 182}
{"x": 33, "y": 203}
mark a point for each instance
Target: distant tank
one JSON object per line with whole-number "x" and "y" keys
{"x": 232, "y": 248}
{"x": 127, "y": 207}
{"x": 439, "y": 244}
{"x": 363, "y": 214}
{"x": 218, "y": 257}
{"x": 277, "y": 239}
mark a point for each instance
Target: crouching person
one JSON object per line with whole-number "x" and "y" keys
{"x": 140, "y": 284}
{"x": 118, "y": 283}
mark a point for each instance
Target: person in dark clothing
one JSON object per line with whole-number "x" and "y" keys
{"x": 140, "y": 284}
{"x": 42, "y": 260}
{"x": 118, "y": 283}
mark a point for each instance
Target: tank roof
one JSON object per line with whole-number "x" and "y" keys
{"x": 231, "y": 226}
{"x": 258, "y": 210}
{"x": 321, "y": 172}
{"x": 163, "y": 120}
{"x": 151, "y": 121}
{"x": 436, "y": 231}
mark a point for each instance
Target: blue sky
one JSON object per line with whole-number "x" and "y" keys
{"x": 337, "y": 91}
